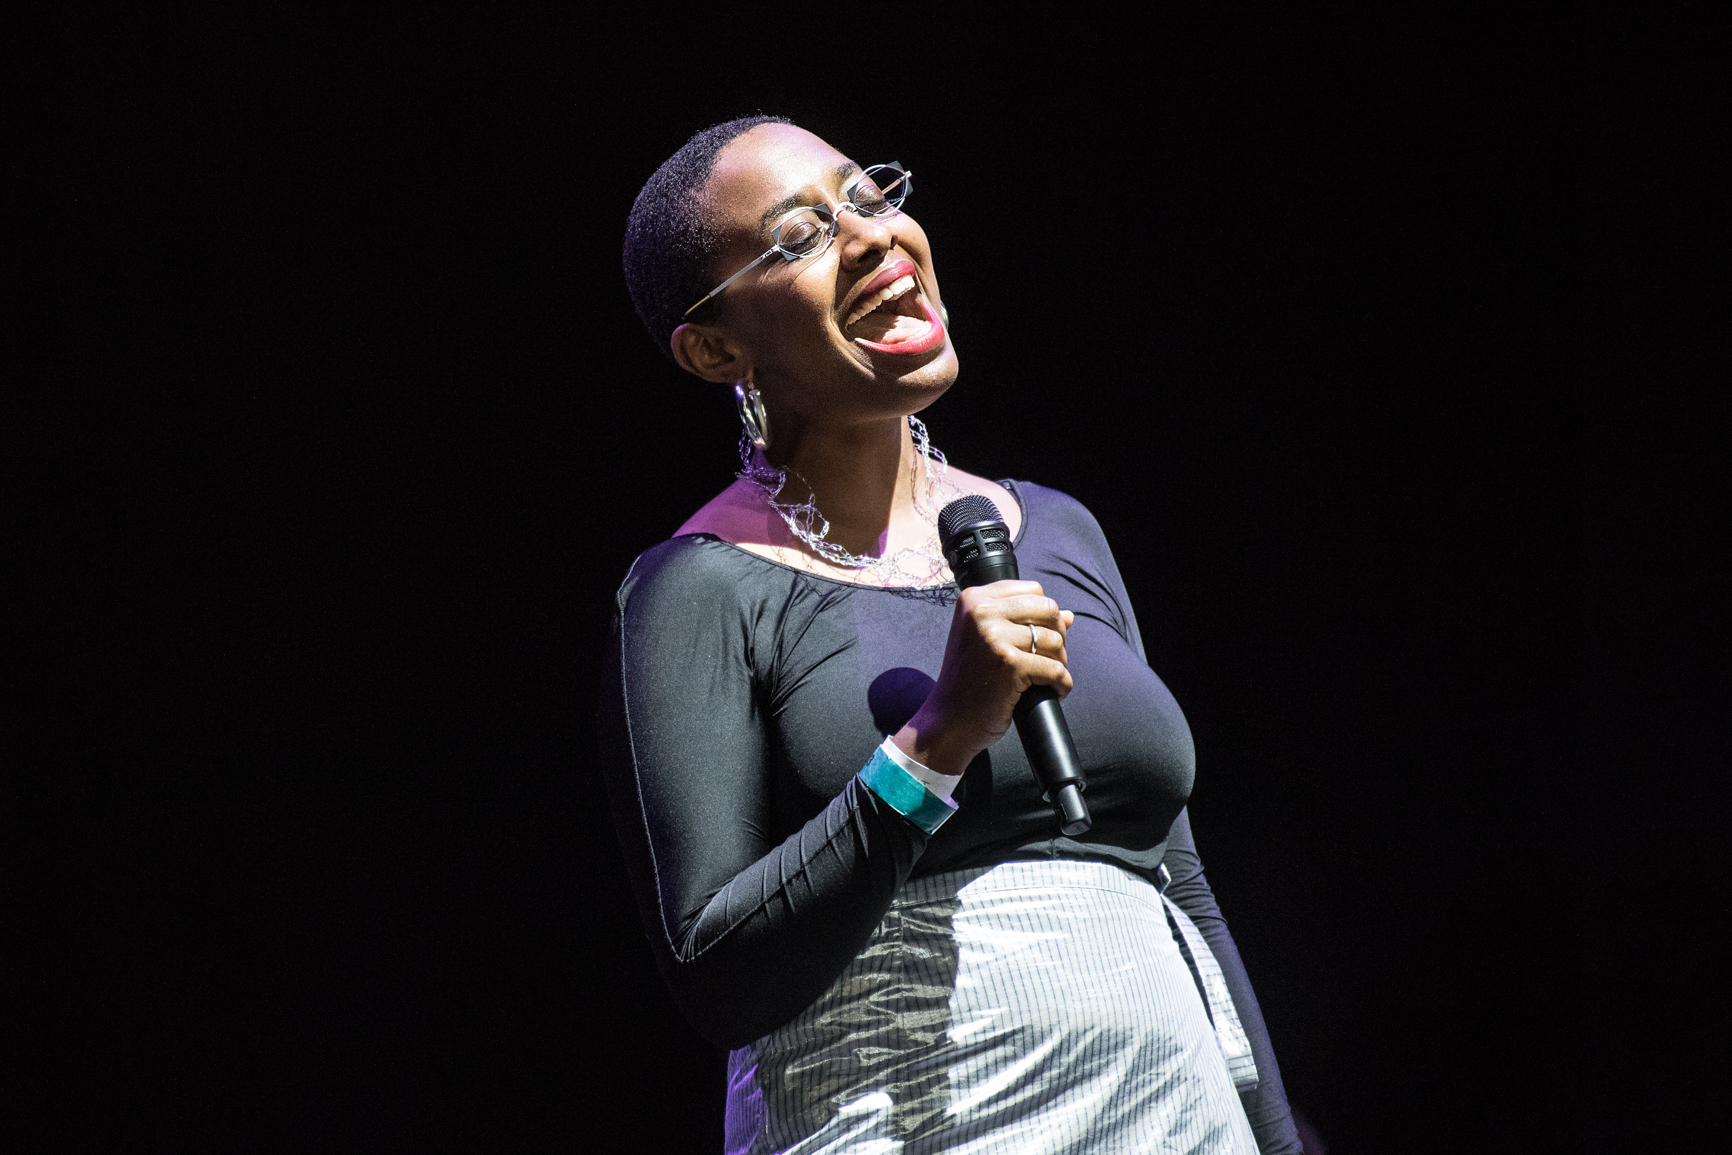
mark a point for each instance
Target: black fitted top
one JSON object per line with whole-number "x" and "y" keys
{"x": 744, "y": 697}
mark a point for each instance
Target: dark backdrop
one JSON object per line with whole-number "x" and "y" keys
{"x": 347, "y": 433}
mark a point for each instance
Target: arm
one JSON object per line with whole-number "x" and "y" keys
{"x": 748, "y": 928}
{"x": 1266, "y": 1106}
{"x": 1095, "y": 571}
{"x": 746, "y": 932}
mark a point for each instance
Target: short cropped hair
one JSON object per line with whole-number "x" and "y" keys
{"x": 669, "y": 239}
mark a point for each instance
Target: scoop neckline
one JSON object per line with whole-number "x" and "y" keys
{"x": 1021, "y": 532}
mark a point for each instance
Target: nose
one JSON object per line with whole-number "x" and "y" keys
{"x": 863, "y": 240}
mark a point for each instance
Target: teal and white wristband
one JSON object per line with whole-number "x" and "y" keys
{"x": 886, "y": 776}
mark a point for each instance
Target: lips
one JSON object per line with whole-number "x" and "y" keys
{"x": 908, "y": 335}
{"x": 891, "y": 315}
{"x": 894, "y": 271}
{"x": 868, "y": 302}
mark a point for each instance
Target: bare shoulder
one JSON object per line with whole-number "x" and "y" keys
{"x": 736, "y": 515}
{"x": 992, "y": 491}
{"x": 740, "y": 516}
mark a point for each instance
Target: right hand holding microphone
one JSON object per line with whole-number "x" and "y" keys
{"x": 988, "y": 665}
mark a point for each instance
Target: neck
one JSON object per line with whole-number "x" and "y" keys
{"x": 863, "y": 478}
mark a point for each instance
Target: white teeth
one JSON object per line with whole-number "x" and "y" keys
{"x": 888, "y": 293}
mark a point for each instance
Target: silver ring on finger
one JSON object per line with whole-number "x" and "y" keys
{"x": 1033, "y": 639}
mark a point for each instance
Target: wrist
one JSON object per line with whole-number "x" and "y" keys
{"x": 910, "y": 789}
{"x": 928, "y": 745}
{"x": 942, "y": 785}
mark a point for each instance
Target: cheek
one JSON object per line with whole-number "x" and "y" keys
{"x": 812, "y": 290}
{"x": 913, "y": 242}
{"x": 912, "y": 237}
{"x": 789, "y": 330}
{"x": 800, "y": 310}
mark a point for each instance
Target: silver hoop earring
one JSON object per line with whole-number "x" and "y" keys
{"x": 753, "y": 415}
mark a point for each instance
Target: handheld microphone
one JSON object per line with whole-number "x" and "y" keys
{"x": 977, "y": 545}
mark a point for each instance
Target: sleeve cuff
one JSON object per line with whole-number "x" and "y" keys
{"x": 887, "y": 776}
{"x": 943, "y": 785}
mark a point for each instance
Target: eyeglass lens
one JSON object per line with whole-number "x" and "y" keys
{"x": 879, "y": 191}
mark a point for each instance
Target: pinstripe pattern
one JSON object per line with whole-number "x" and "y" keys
{"x": 1229, "y": 1031}
{"x": 1035, "y": 1007}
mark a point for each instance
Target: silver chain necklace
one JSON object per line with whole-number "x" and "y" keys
{"x": 813, "y": 528}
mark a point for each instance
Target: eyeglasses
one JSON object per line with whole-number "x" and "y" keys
{"x": 807, "y": 232}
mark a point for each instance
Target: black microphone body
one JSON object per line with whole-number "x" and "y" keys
{"x": 977, "y": 545}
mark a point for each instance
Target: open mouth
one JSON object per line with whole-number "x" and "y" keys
{"x": 895, "y": 318}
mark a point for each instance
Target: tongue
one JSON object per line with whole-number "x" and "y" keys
{"x": 888, "y": 327}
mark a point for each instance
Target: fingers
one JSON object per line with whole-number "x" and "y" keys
{"x": 1000, "y": 598}
{"x": 1051, "y": 637}
{"x": 1038, "y": 670}
{"x": 1015, "y": 602}
{"x": 1005, "y": 638}
{"x": 1004, "y": 589}
{"x": 1010, "y": 620}
{"x": 1036, "y": 630}
{"x": 1045, "y": 641}
{"x": 1025, "y": 630}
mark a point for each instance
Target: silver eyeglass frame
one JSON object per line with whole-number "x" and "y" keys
{"x": 829, "y": 216}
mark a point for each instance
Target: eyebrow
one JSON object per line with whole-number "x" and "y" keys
{"x": 846, "y": 169}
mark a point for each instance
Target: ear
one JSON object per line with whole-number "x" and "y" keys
{"x": 704, "y": 352}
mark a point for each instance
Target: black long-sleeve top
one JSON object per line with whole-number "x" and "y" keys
{"x": 745, "y": 695}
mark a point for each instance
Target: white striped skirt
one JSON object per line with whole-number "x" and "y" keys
{"x": 1030, "y": 1007}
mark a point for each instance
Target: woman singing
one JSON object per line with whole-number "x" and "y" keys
{"x": 845, "y": 867}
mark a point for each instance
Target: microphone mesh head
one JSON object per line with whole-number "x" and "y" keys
{"x": 970, "y": 510}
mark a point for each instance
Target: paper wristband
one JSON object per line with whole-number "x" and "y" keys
{"x": 905, "y": 793}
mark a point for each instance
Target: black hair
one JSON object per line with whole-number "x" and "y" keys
{"x": 669, "y": 239}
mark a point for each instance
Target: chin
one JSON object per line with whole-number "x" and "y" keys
{"x": 935, "y": 370}
{"x": 932, "y": 380}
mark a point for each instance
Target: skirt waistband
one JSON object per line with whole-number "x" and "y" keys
{"x": 1030, "y": 874}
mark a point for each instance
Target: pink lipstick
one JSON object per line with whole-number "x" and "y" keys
{"x": 909, "y": 336}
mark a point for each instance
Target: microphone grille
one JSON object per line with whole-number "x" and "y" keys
{"x": 965, "y": 511}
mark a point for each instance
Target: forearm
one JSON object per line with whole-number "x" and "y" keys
{"x": 748, "y": 923}
{"x": 1266, "y": 1106}
{"x": 777, "y": 934}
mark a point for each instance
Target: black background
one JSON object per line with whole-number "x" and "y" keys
{"x": 342, "y": 432}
